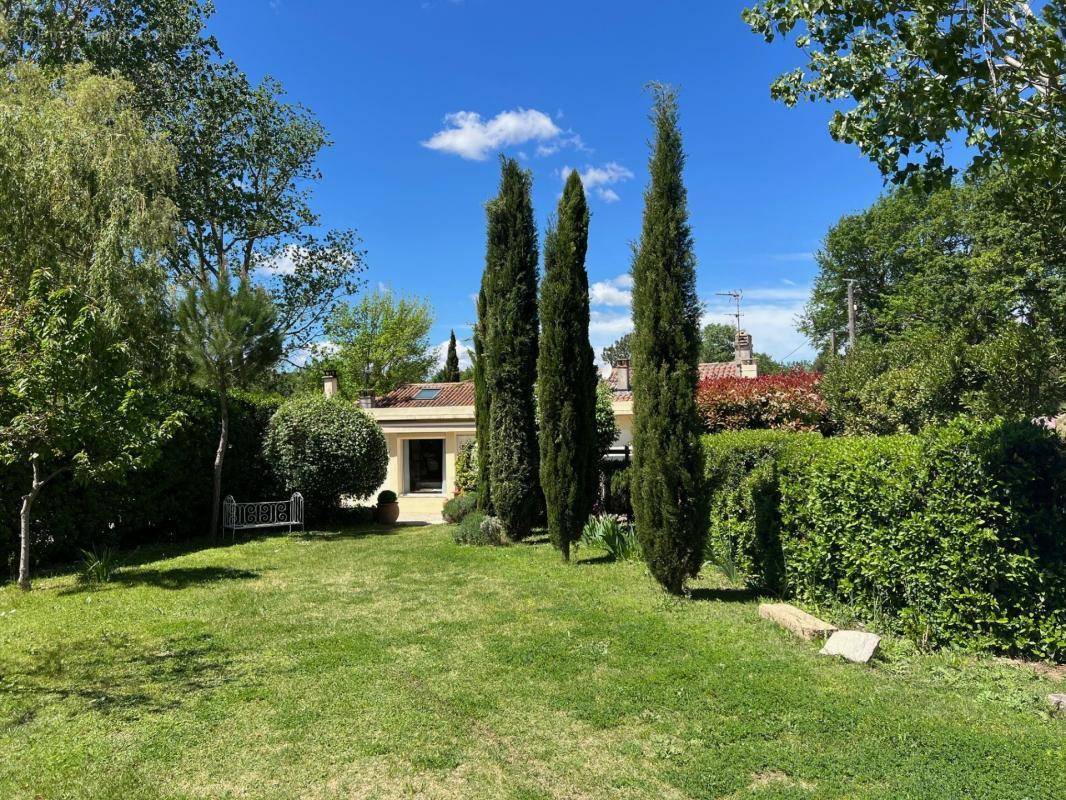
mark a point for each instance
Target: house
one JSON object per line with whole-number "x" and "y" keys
{"x": 426, "y": 424}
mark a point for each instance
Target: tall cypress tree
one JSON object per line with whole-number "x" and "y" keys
{"x": 509, "y": 327}
{"x": 482, "y": 397}
{"x": 566, "y": 373}
{"x": 667, "y": 479}
{"x": 451, "y": 363}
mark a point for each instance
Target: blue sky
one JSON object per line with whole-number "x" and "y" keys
{"x": 419, "y": 96}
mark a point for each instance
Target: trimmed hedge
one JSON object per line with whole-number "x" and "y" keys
{"x": 955, "y": 536}
{"x": 166, "y": 501}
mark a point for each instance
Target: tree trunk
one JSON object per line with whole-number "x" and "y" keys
{"x": 223, "y": 439}
{"x": 24, "y": 522}
{"x": 564, "y": 546}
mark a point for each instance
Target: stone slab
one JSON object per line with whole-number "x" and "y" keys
{"x": 857, "y": 646}
{"x": 1058, "y": 703}
{"x": 796, "y": 620}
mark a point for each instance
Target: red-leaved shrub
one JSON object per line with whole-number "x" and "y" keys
{"x": 789, "y": 401}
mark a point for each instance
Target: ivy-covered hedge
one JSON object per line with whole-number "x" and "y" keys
{"x": 169, "y": 500}
{"x": 955, "y": 536}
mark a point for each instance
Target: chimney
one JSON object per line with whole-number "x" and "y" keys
{"x": 743, "y": 348}
{"x": 329, "y": 384}
{"x": 366, "y": 400}
{"x": 622, "y": 374}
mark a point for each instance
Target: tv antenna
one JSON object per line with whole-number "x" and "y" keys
{"x": 736, "y": 298}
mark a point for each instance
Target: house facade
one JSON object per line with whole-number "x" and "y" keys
{"x": 426, "y": 425}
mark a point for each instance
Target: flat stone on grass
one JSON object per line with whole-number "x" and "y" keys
{"x": 796, "y": 620}
{"x": 1058, "y": 703}
{"x": 857, "y": 646}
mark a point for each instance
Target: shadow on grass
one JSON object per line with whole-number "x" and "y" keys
{"x": 606, "y": 558}
{"x": 113, "y": 675}
{"x": 337, "y": 534}
{"x": 724, "y": 595}
{"x": 174, "y": 578}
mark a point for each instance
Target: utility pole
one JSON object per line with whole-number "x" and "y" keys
{"x": 851, "y": 313}
{"x": 736, "y": 297}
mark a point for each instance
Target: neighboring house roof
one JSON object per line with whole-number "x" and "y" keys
{"x": 717, "y": 369}
{"x": 720, "y": 369}
{"x": 448, "y": 394}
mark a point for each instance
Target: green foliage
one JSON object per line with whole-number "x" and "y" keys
{"x": 607, "y": 429}
{"x": 566, "y": 374}
{"x": 386, "y": 497}
{"x": 619, "y": 351}
{"x": 617, "y": 498}
{"x": 614, "y": 534}
{"x": 920, "y": 76}
{"x": 717, "y": 342}
{"x": 667, "y": 478}
{"x": 390, "y": 334}
{"x": 927, "y": 377}
{"x": 98, "y": 565}
{"x": 482, "y": 399}
{"x": 478, "y": 528}
{"x": 508, "y": 329}
{"x": 466, "y": 467}
{"x": 458, "y": 508}
{"x": 325, "y": 449}
{"x": 451, "y": 372}
{"x": 962, "y": 304}
{"x": 951, "y": 537}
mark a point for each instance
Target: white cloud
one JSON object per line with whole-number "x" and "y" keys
{"x": 468, "y": 136}
{"x": 597, "y": 179}
{"x": 281, "y": 263}
{"x": 615, "y": 292}
{"x": 571, "y": 140}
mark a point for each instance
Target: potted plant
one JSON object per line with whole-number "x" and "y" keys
{"x": 388, "y": 508}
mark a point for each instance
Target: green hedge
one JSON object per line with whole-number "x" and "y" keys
{"x": 169, "y": 500}
{"x": 955, "y": 536}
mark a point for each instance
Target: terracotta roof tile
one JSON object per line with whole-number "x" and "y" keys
{"x": 450, "y": 394}
{"x": 720, "y": 369}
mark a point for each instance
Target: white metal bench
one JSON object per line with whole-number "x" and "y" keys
{"x": 267, "y": 514}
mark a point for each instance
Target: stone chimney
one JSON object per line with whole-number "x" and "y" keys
{"x": 366, "y": 400}
{"x": 329, "y": 384}
{"x": 623, "y": 376}
{"x": 744, "y": 350}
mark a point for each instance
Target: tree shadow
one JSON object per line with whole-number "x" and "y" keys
{"x": 724, "y": 595}
{"x": 337, "y": 534}
{"x": 113, "y": 675}
{"x": 174, "y": 578}
{"x": 606, "y": 558}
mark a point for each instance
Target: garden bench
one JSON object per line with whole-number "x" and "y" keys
{"x": 265, "y": 514}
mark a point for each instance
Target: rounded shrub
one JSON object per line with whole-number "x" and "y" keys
{"x": 386, "y": 497}
{"x": 326, "y": 449}
{"x": 456, "y": 509}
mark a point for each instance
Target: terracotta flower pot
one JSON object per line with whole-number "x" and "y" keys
{"x": 388, "y": 513}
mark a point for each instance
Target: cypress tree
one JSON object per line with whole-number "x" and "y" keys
{"x": 509, "y": 325}
{"x": 482, "y": 398}
{"x": 566, "y": 373}
{"x": 667, "y": 478}
{"x": 451, "y": 364}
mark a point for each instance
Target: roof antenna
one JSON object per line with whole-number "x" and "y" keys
{"x": 736, "y": 297}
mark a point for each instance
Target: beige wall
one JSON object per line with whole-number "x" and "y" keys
{"x": 414, "y": 505}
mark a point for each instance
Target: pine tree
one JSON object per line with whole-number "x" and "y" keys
{"x": 509, "y": 326}
{"x": 667, "y": 478}
{"x": 566, "y": 374}
{"x": 451, "y": 364}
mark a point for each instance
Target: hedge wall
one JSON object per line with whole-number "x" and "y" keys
{"x": 166, "y": 501}
{"x": 955, "y": 536}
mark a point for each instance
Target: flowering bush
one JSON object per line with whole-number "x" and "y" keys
{"x": 790, "y": 401}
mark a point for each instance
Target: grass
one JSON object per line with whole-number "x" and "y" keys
{"x": 355, "y": 664}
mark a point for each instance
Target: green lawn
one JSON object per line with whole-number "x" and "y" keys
{"x": 361, "y": 665}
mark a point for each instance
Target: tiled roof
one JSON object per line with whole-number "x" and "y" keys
{"x": 450, "y": 394}
{"x": 720, "y": 369}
